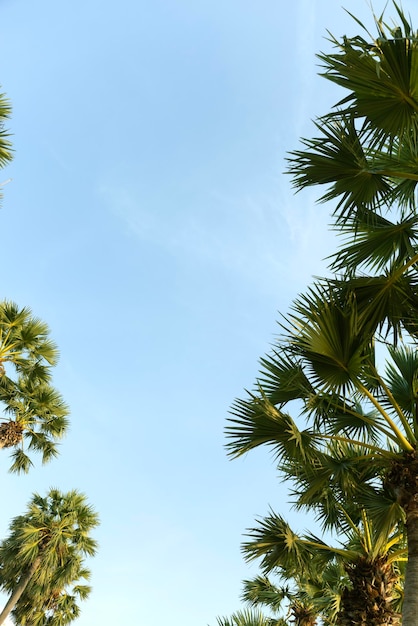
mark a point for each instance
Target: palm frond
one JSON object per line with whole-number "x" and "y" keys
{"x": 258, "y": 422}
{"x": 282, "y": 378}
{"x": 376, "y": 244}
{"x": 337, "y": 158}
{"x": 381, "y": 76}
{"x": 261, "y": 591}
{"x": 249, "y": 617}
{"x": 326, "y": 334}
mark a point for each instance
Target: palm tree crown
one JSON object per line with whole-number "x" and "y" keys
{"x": 361, "y": 418}
{"x": 43, "y": 558}
{"x": 34, "y": 411}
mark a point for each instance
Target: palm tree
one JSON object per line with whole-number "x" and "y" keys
{"x": 356, "y": 583}
{"x": 42, "y": 558}
{"x": 34, "y": 412}
{"x": 59, "y": 604}
{"x": 261, "y": 592}
{"x": 362, "y": 434}
{"x": 324, "y": 367}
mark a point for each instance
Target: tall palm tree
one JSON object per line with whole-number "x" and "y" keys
{"x": 43, "y": 557}
{"x": 370, "y": 421}
{"x": 324, "y": 367}
{"x": 34, "y": 412}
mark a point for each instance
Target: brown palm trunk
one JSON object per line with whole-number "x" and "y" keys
{"x": 370, "y": 600}
{"x": 20, "y": 588}
{"x": 410, "y": 603}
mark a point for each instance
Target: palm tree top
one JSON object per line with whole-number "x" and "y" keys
{"x": 365, "y": 150}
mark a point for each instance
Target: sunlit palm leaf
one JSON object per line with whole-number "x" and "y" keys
{"x": 258, "y": 422}
{"x": 261, "y": 591}
{"x": 330, "y": 340}
{"x": 283, "y": 379}
{"x": 384, "y": 511}
{"x": 278, "y": 546}
{"x": 249, "y": 617}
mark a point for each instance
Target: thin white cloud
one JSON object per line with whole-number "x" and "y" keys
{"x": 268, "y": 241}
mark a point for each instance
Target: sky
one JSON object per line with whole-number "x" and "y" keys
{"x": 150, "y": 224}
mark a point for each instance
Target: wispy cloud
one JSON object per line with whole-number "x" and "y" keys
{"x": 267, "y": 240}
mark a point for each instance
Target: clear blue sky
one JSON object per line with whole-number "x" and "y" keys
{"x": 149, "y": 223}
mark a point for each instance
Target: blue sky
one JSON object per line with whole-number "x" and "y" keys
{"x": 148, "y": 222}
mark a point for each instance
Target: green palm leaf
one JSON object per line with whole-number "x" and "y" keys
{"x": 381, "y": 76}
{"x": 258, "y": 422}
{"x": 327, "y": 336}
{"x": 261, "y": 591}
{"x": 402, "y": 379}
{"x": 376, "y": 243}
{"x": 249, "y": 617}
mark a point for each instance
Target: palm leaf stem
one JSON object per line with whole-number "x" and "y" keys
{"x": 399, "y": 436}
{"x": 408, "y": 429}
{"x": 366, "y": 420}
{"x": 366, "y": 531}
{"x": 354, "y": 527}
{"x": 391, "y": 174}
{"x": 407, "y": 265}
{"x": 396, "y": 557}
{"x": 8, "y": 349}
{"x": 380, "y": 451}
{"x": 344, "y": 552}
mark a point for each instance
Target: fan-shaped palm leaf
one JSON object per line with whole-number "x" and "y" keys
{"x": 381, "y": 76}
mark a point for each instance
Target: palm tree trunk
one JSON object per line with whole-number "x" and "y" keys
{"x": 20, "y": 588}
{"x": 410, "y": 604}
{"x": 370, "y": 600}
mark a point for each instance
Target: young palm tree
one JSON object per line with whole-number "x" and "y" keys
{"x": 34, "y": 412}
{"x": 43, "y": 557}
{"x": 357, "y": 583}
{"x": 261, "y": 592}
